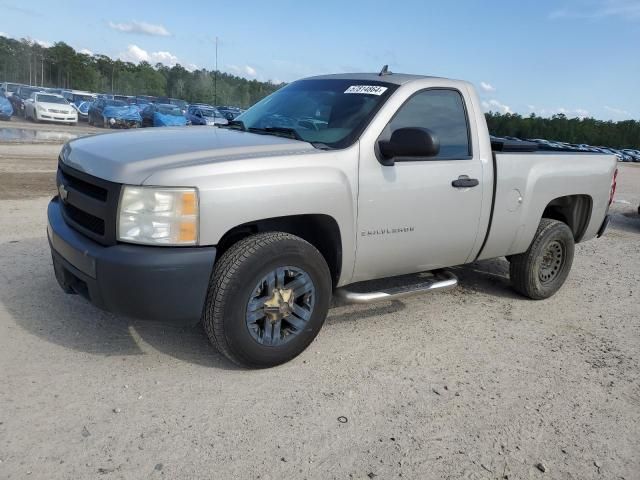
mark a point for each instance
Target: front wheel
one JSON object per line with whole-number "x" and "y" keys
{"x": 539, "y": 272}
{"x": 268, "y": 298}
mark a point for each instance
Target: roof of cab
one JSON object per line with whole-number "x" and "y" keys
{"x": 396, "y": 78}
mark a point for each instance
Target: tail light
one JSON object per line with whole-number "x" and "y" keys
{"x": 613, "y": 186}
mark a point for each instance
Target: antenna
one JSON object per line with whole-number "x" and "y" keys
{"x": 384, "y": 71}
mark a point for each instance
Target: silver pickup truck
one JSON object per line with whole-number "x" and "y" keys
{"x": 330, "y": 182}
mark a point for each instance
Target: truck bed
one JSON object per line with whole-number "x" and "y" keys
{"x": 525, "y": 183}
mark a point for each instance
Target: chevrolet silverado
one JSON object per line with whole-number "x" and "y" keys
{"x": 328, "y": 183}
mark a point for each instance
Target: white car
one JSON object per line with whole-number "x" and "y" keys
{"x": 49, "y": 107}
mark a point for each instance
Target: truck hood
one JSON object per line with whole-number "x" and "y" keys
{"x": 131, "y": 157}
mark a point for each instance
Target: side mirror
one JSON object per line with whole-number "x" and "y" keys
{"x": 409, "y": 142}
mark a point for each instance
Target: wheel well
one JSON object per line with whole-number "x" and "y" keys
{"x": 321, "y": 231}
{"x": 574, "y": 210}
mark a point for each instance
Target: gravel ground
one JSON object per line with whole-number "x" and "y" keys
{"x": 474, "y": 383}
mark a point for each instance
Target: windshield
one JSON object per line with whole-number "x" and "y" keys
{"x": 179, "y": 103}
{"x": 170, "y": 110}
{"x": 51, "y": 99}
{"x": 80, "y": 97}
{"x": 26, "y": 92}
{"x": 330, "y": 112}
{"x": 12, "y": 87}
{"x": 208, "y": 112}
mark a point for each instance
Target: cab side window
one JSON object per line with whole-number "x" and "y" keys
{"x": 443, "y": 112}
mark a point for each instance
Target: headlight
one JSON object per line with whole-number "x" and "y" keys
{"x": 158, "y": 216}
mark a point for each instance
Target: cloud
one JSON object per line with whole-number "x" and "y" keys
{"x": 581, "y": 113}
{"x": 135, "y": 54}
{"x": 244, "y": 71}
{"x": 617, "y": 111}
{"x": 143, "y": 28}
{"x": 600, "y": 9}
{"x": 567, "y": 112}
{"x": 86, "y": 51}
{"x": 496, "y": 105}
{"x": 487, "y": 87}
{"x": 35, "y": 41}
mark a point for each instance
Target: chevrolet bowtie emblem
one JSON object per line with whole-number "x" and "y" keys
{"x": 64, "y": 193}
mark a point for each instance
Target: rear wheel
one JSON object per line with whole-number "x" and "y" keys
{"x": 267, "y": 300}
{"x": 539, "y": 272}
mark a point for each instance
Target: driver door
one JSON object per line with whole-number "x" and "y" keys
{"x": 411, "y": 216}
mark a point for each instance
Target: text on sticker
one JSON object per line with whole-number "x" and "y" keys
{"x": 366, "y": 89}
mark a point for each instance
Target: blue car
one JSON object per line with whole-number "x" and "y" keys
{"x": 6, "y": 110}
{"x": 113, "y": 114}
{"x": 163, "y": 115}
{"x": 83, "y": 110}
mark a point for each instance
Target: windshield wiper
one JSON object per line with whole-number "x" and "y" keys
{"x": 278, "y": 131}
{"x": 235, "y": 125}
{"x": 321, "y": 146}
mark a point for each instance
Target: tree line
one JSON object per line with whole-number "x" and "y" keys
{"x": 24, "y": 61}
{"x": 625, "y": 134}
{"x": 60, "y": 66}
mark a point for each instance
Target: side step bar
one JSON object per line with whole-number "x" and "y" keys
{"x": 439, "y": 280}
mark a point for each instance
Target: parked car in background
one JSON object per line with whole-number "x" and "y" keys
{"x": 66, "y": 93}
{"x": 81, "y": 101}
{"x": 110, "y": 113}
{"x": 79, "y": 96}
{"x": 174, "y": 101}
{"x": 230, "y": 113}
{"x": 20, "y": 96}
{"x": 9, "y": 88}
{"x": 634, "y": 154}
{"x": 163, "y": 115}
{"x": 146, "y": 99}
{"x": 49, "y": 107}
{"x": 6, "y": 110}
{"x": 205, "y": 115}
{"x": 83, "y": 111}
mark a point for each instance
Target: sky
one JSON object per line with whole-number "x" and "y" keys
{"x": 577, "y": 57}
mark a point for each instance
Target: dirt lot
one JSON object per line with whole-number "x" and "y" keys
{"x": 28, "y": 155}
{"x": 474, "y": 383}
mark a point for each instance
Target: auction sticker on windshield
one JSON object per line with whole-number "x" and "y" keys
{"x": 366, "y": 89}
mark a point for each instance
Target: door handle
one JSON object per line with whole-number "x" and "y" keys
{"x": 464, "y": 181}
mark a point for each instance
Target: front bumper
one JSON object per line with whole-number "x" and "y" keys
{"x": 56, "y": 117}
{"x": 121, "y": 123}
{"x": 167, "y": 284}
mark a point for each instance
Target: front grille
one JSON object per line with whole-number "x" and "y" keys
{"x": 93, "y": 223}
{"x": 90, "y": 189}
{"x": 89, "y": 204}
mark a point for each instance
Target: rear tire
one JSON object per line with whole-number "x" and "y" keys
{"x": 539, "y": 272}
{"x": 245, "y": 278}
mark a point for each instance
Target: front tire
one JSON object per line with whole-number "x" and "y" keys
{"x": 539, "y": 272}
{"x": 268, "y": 298}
